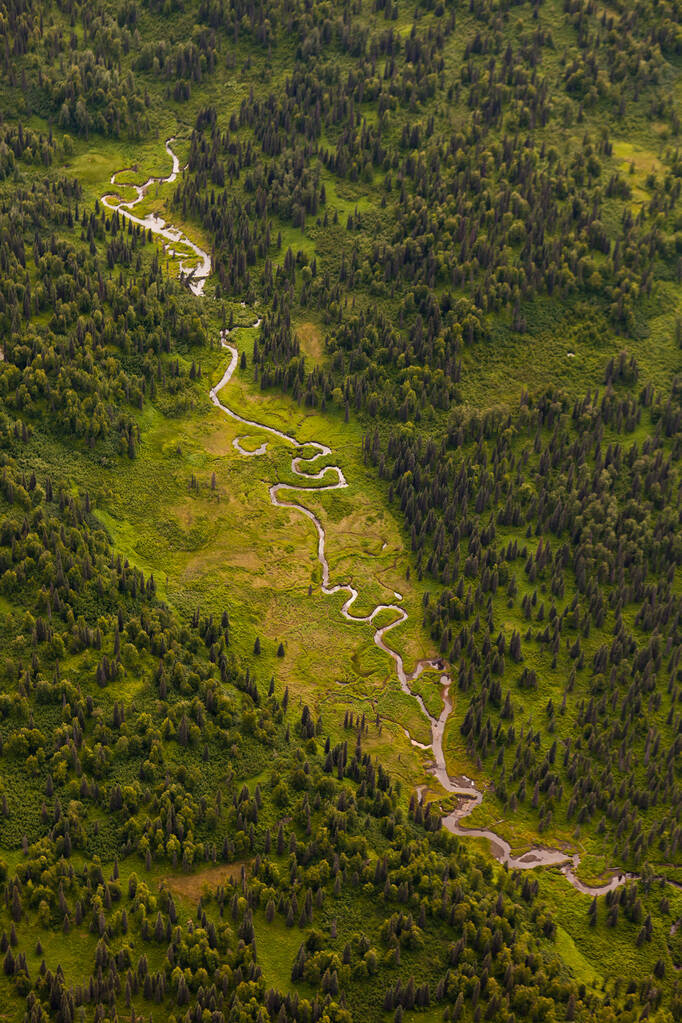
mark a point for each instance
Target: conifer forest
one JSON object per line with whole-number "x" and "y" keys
{"x": 340, "y": 511}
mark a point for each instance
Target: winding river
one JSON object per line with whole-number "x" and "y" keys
{"x": 176, "y": 241}
{"x": 195, "y": 270}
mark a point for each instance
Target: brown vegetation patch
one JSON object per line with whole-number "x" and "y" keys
{"x": 193, "y": 886}
{"x": 312, "y": 343}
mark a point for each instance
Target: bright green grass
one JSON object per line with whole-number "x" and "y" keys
{"x": 429, "y": 688}
{"x": 604, "y": 952}
{"x": 276, "y": 947}
{"x": 228, "y": 548}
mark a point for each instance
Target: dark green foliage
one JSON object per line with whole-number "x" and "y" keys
{"x": 487, "y": 217}
{"x": 58, "y": 368}
{"x": 429, "y": 182}
{"x": 81, "y": 87}
{"x": 559, "y": 500}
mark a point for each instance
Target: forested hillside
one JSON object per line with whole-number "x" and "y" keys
{"x": 443, "y": 243}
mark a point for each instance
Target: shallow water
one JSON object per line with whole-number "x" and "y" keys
{"x": 197, "y": 273}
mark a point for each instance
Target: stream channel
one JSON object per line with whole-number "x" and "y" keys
{"x": 194, "y": 270}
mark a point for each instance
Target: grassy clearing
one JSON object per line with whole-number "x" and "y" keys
{"x": 311, "y": 336}
{"x": 570, "y": 352}
{"x": 224, "y": 546}
{"x": 277, "y": 946}
{"x": 429, "y": 688}
{"x": 192, "y": 886}
{"x": 601, "y": 954}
